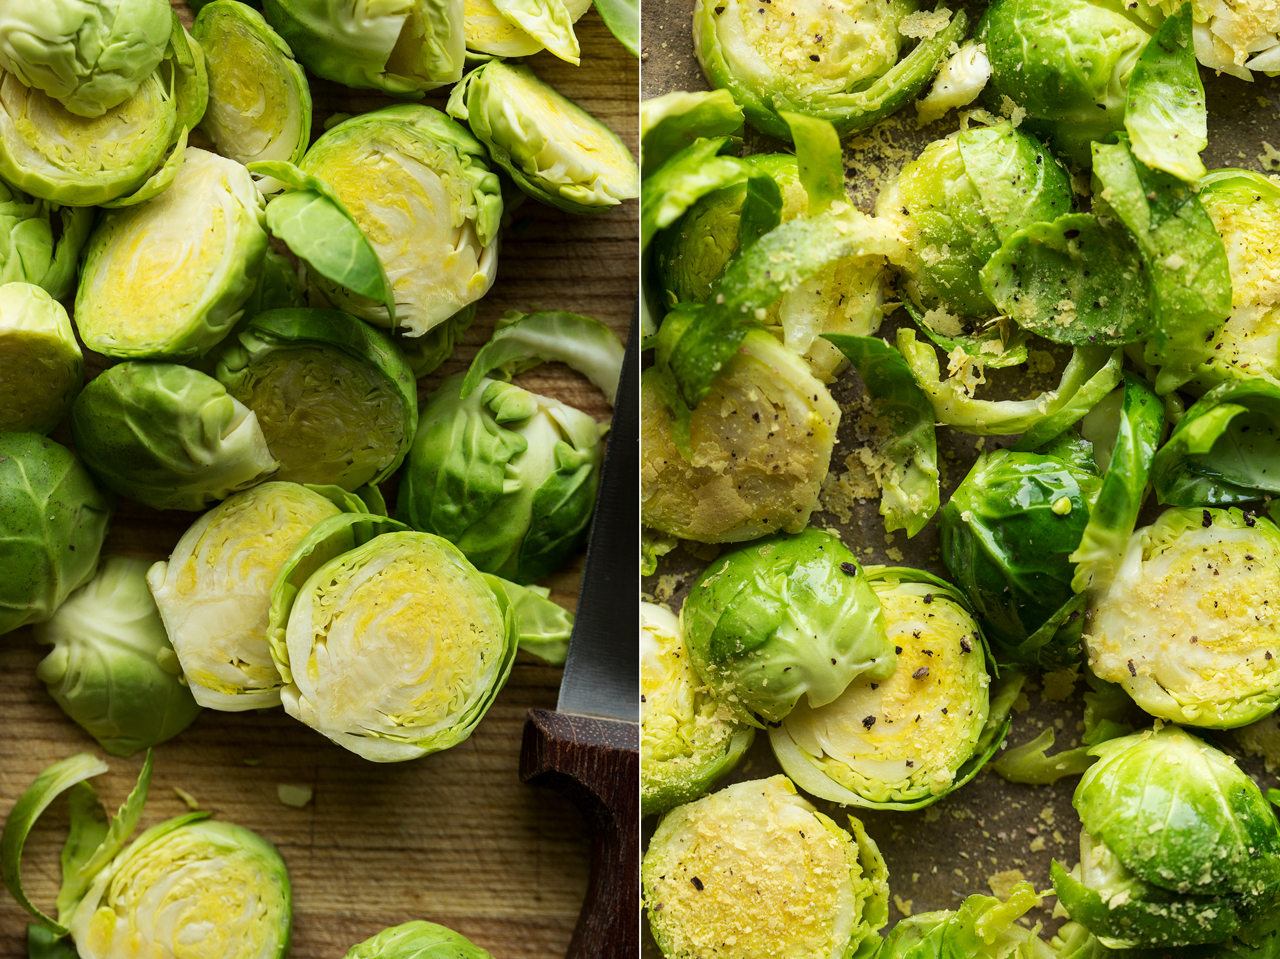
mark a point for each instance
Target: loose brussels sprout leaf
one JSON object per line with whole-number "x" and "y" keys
{"x": 405, "y": 645}
{"x": 43, "y": 944}
{"x": 1225, "y": 449}
{"x": 112, "y": 668}
{"x": 622, "y": 17}
{"x": 685, "y": 178}
{"x": 820, "y": 159}
{"x": 671, "y": 122}
{"x": 958, "y": 83}
{"x": 417, "y": 185}
{"x": 722, "y": 477}
{"x": 52, "y": 520}
{"x": 491, "y": 33}
{"x": 904, "y": 741}
{"x": 425, "y": 353}
{"x": 783, "y": 619}
{"x": 653, "y": 546}
{"x": 417, "y": 940}
{"x": 41, "y": 366}
{"x": 91, "y": 56}
{"x": 168, "y": 436}
{"x": 402, "y": 47}
{"x": 761, "y": 211}
{"x": 507, "y": 475}
{"x": 121, "y": 309}
{"x": 1090, "y": 374}
{"x": 843, "y": 63}
{"x": 1007, "y": 534}
{"x": 555, "y": 151}
{"x": 1165, "y": 114}
{"x": 687, "y": 739}
{"x": 544, "y": 626}
{"x": 745, "y": 845}
{"x": 909, "y": 490}
{"x": 982, "y": 928}
{"x": 51, "y": 153}
{"x": 259, "y": 100}
{"x": 214, "y": 592}
{"x": 29, "y": 251}
{"x": 335, "y": 399}
{"x": 1179, "y": 628}
{"x": 547, "y": 21}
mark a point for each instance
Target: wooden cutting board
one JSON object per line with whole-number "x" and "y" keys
{"x": 453, "y": 838}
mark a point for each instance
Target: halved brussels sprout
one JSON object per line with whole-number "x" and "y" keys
{"x": 982, "y": 928}
{"x": 498, "y": 28}
{"x": 1178, "y": 846}
{"x": 394, "y": 649}
{"x": 400, "y": 46}
{"x": 671, "y": 122}
{"x": 259, "y": 100}
{"x": 334, "y": 397}
{"x": 425, "y": 353}
{"x": 417, "y": 184}
{"x": 846, "y": 61}
{"x": 555, "y": 151}
{"x": 34, "y": 251}
{"x": 687, "y": 739}
{"x": 90, "y": 54}
{"x": 906, "y": 740}
{"x": 755, "y": 870}
{"x": 41, "y": 366}
{"x": 214, "y": 592}
{"x": 112, "y": 668}
{"x": 417, "y": 940}
{"x": 168, "y": 436}
{"x": 784, "y": 619}
{"x": 121, "y": 309}
{"x": 1185, "y": 626}
{"x": 53, "y": 520}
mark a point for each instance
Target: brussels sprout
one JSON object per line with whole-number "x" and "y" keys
{"x": 90, "y": 54}
{"x": 958, "y": 83}
{"x": 29, "y": 251}
{"x": 1074, "y": 941}
{"x": 53, "y": 520}
{"x": 334, "y": 397}
{"x": 687, "y": 739}
{"x": 112, "y": 668}
{"x": 622, "y": 17}
{"x": 120, "y": 308}
{"x": 402, "y": 46}
{"x": 417, "y": 184}
{"x": 168, "y": 436}
{"x": 982, "y": 928}
{"x": 671, "y": 122}
{"x": 425, "y": 353}
{"x": 904, "y": 741}
{"x": 278, "y": 286}
{"x": 41, "y": 366}
{"x": 417, "y": 940}
{"x": 1178, "y": 846}
{"x": 404, "y": 643}
{"x": 1184, "y": 626}
{"x": 555, "y": 151}
{"x": 499, "y": 28}
{"x": 214, "y": 592}
{"x": 259, "y": 100}
{"x": 785, "y": 618}
{"x": 845, "y": 62}
{"x": 721, "y": 877}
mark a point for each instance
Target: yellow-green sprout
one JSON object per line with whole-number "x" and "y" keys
{"x": 687, "y": 739}
{"x": 1188, "y": 627}
{"x": 491, "y": 29}
{"x": 755, "y": 871}
{"x": 417, "y": 940}
{"x": 39, "y": 249}
{"x": 151, "y": 287}
{"x": 214, "y": 592}
{"x": 41, "y": 366}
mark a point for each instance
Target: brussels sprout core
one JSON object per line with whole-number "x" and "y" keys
{"x": 41, "y": 366}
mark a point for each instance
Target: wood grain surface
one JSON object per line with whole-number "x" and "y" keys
{"x": 455, "y": 838}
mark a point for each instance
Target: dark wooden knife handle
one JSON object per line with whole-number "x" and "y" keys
{"x": 596, "y": 763}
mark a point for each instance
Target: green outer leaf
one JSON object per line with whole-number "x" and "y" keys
{"x": 417, "y": 940}
{"x": 821, "y": 160}
{"x": 43, "y": 944}
{"x": 316, "y": 225}
{"x": 671, "y": 122}
{"x": 909, "y": 496}
{"x": 1018, "y": 181}
{"x": 688, "y": 176}
{"x": 1165, "y": 114}
{"x": 761, "y": 211}
{"x": 1124, "y": 485}
{"x": 1029, "y": 763}
{"x": 1013, "y": 351}
{"x": 622, "y": 17}
{"x": 50, "y": 784}
{"x": 544, "y": 626}
{"x": 982, "y": 927}
{"x": 88, "y": 829}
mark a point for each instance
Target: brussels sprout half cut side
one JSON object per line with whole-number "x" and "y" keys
{"x": 719, "y": 875}
{"x": 41, "y": 366}
{"x": 417, "y": 940}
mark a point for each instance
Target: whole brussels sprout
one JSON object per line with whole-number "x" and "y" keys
{"x": 53, "y": 520}
{"x": 418, "y": 186}
{"x": 334, "y": 397}
{"x": 121, "y": 309}
{"x": 982, "y": 928}
{"x": 491, "y": 28}
{"x": 783, "y": 619}
{"x": 687, "y": 739}
{"x": 720, "y": 877}
{"x": 41, "y": 366}
{"x": 29, "y": 252}
{"x": 90, "y": 54}
{"x": 168, "y": 436}
{"x": 1178, "y": 846}
{"x": 112, "y": 668}
{"x": 1185, "y": 627}
{"x": 417, "y": 940}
